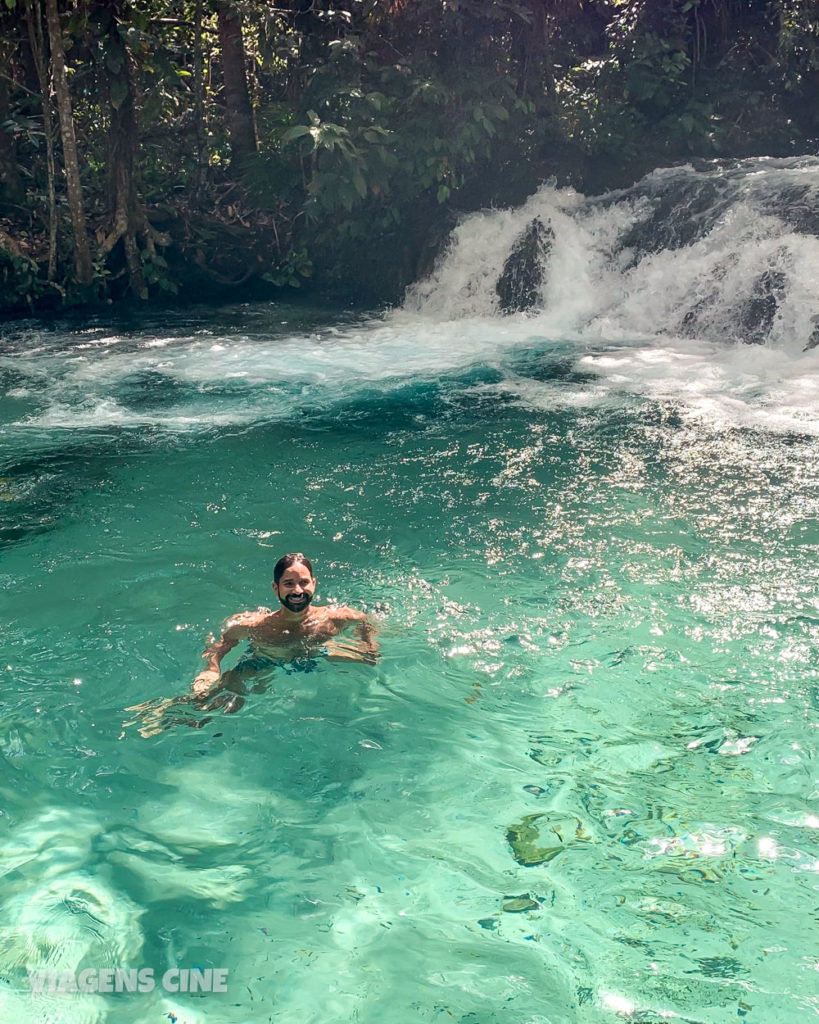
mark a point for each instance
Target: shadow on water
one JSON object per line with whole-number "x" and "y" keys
{"x": 131, "y": 328}
{"x": 39, "y": 492}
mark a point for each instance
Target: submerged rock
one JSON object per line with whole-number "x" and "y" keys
{"x": 524, "y": 273}
{"x": 490, "y": 924}
{"x": 523, "y": 838}
{"x": 519, "y": 904}
{"x": 554, "y": 829}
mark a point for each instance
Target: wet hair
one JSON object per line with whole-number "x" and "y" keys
{"x": 286, "y": 561}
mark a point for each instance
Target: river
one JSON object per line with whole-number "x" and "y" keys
{"x": 580, "y": 784}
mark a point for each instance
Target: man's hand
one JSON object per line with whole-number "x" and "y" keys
{"x": 350, "y": 649}
{"x": 204, "y": 681}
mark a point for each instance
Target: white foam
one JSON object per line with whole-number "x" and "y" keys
{"x": 757, "y": 385}
{"x": 723, "y": 386}
{"x": 619, "y": 313}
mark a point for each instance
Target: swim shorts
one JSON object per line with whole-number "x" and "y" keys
{"x": 250, "y": 662}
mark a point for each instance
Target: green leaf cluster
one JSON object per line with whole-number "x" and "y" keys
{"x": 373, "y": 123}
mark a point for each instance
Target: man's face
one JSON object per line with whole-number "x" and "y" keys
{"x": 296, "y": 588}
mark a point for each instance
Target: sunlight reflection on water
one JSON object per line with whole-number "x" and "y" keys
{"x": 578, "y": 784}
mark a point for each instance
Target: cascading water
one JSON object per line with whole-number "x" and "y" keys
{"x": 729, "y": 253}
{"x": 579, "y": 788}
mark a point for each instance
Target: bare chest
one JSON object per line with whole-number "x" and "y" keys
{"x": 287, "y": 635}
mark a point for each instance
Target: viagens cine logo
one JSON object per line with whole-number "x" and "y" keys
{"x": 110, "y": 980}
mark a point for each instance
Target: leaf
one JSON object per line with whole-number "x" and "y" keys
{"x": 346, "y": 197}
{"x": 520, "y": 904}
{"x": 375, "y": 134}
{"x": 118, "y": 93}
{"x": 297, "y": 132}
{"x": 114, "y": 60}
{"x": 360, "y": 184}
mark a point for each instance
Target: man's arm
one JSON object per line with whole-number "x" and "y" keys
{"x": 364, "y": 630}
{"x": 235, "y": 629}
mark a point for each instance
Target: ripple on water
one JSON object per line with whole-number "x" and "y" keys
{"x": 577, "y": 786}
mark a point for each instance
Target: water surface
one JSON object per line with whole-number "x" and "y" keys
{"x": 580, "y": 785}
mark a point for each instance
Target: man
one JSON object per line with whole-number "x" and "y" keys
{"x": 296, "y": 630}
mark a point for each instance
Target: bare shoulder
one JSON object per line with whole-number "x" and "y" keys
{"x": 243, "y": 621}
{"x": 343, "y": 613}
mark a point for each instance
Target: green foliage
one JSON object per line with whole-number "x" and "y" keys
{"x": 375, "y": 119}
{"x": 156, "y": 273}
{"x": 291, "y": 272}
{"x": 20, "y": 282}
{"x": 373, "y": 142}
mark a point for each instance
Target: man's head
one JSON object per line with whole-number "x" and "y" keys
{"x": 293, "y": 582}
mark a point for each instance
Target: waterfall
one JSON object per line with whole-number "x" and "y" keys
{"x": 720, "y": 252}
{"x": 697, "y": 286}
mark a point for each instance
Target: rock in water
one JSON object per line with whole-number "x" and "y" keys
{"x": 520, "y": 285}
{"x": 553, "y": 829}
{"x": 519, "y": 904}
{"x": 813, "y": 341}
{"x": 757, "y": 316}
{"x": 523, "y": 837}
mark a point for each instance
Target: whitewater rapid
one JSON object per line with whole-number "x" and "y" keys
{"x": 697, "y": 288}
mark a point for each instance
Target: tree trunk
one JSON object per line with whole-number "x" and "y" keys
{"x": 199, "y": 102}
{"x": 34, "y": 17}
{"x": 241, "y": 127}
{"x": 125, "y": 212}
{"x": 82, "y": 254}
{"x": 11, "y": 184}
{"x": 532, "y": 50}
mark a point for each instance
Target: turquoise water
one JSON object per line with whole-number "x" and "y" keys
{"x": 596, "y": 590}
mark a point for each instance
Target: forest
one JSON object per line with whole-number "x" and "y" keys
{"x": 156, "y": 150}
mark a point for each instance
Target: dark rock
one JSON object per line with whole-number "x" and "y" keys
{"x": 678, "y": 216}
{"x": 489, "y": 923}
{"x": 757, "y": 315}
{"x": 524, "y": 273}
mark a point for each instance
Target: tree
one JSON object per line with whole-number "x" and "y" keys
{"x": 125, "y": 216}
{"x": 241, "y": 125}
{"x": 11, "y": 184}
{"x": 83, "y": 267}
{"x": 34, "y": 20}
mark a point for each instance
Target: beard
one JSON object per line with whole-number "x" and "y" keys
{"x": 299, "y": 604}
